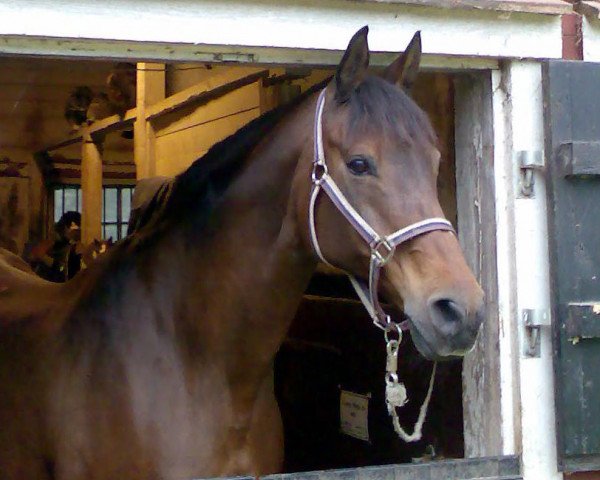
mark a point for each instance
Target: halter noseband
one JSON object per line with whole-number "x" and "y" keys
{"x": 382, "y": 247}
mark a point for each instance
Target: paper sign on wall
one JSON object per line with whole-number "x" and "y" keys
{"x": 354, "y": 415}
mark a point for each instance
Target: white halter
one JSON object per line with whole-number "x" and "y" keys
{"x": 382, "y": 247}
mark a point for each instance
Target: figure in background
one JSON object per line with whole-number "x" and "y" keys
{"x": 62, "y": 260}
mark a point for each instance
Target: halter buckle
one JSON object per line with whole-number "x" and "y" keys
{"x": 319, "y": 172}
{"x": 382, "y": 251}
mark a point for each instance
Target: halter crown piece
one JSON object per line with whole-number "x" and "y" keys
{"x": 382, "y": 249}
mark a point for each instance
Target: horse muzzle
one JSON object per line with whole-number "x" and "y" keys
{"x": 444, "y": 328}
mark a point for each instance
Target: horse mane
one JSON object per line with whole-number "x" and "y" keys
{"x": 375, "y": 103}
{"x": 197, "y": 190}
{"x": 189, "y": 199}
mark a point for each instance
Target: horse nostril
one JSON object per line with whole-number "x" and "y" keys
{"x": 449, "y": 310}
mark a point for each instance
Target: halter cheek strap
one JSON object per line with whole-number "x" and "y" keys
{"x": 382, "y": 247}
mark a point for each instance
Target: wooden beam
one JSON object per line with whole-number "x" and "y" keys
{"x": 213, "y": 87}
{"x": 474, "y": 142}
{"x": 112, "y": 124}
{"x": 91, "y": 190}
{"x": 70, "y": 140}
{"x": 97, "y": 130}
{"x": 150, "y": 90}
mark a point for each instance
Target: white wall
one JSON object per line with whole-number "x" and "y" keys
{"x": 190, "y": 27}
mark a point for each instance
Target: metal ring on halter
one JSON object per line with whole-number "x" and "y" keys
{"x": 382, "y": 258}
{"x": 391, "y": 327}
{"x": 383, "y": 325}
{"x": 319, "y": 172}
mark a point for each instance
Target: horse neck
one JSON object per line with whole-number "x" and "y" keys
{"x": 246, "y": 275}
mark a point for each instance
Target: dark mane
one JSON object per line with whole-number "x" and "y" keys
{"x": 377, "y": 104}
{"x": 190, "y": 198}
{"x": 198, "y": 189}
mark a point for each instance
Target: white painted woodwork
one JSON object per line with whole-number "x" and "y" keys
{"x": 182, "y": 30}
{"x": 533, "y": 6}
{"x": 91, "y": 190}
{"x": 591, "y": 39}
{"x": 538, "y": 432}
{"x": 506, "y": 268}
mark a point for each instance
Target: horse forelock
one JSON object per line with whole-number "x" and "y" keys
{"x": 377, "y": 105}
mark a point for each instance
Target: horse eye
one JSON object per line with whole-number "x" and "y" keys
{"x": 359, "y": 166}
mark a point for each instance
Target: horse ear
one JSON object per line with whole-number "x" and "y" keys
{"x": 353, "y": 67}
{"x": 404, "y": 70}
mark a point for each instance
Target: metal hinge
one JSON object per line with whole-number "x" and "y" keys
{"x": 529, "y": 160}
{"x": 533, "y": 321}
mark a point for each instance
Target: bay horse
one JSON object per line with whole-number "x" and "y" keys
{"x": 156, "y": 362}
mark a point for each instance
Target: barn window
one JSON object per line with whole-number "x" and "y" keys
{"x": 66, "y": 198}
{"x": 116, "y": 205}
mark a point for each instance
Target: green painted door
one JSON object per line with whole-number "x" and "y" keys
{"x": 572, "y": 121}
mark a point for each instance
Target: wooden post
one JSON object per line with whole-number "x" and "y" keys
{"x": 150, "y": 89}
{"x": 474, "y": 140}
{"x": 91, "y": 190}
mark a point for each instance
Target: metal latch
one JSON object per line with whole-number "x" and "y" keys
{"x": 529, "y": 160}
{"x": 533, "y": 320}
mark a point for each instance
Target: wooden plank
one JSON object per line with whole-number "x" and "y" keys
{"x": 477, "y": 235}
{"x": 150, "y": 91}
{"x": 238, "y": 100}
{"x": 182, "y": 76}
{"x": 493, "y": 468}
{"x": 213, "y": 87}
{"x": 176, "y": 152}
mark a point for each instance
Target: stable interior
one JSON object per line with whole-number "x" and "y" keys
{"x": 332, "y": 346}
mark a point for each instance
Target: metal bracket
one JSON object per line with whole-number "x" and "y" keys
{"x": 529, "y": 160}
{"x": 533, "y": 320}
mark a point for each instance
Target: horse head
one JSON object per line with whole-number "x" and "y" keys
{"x": 381, "y": 154}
